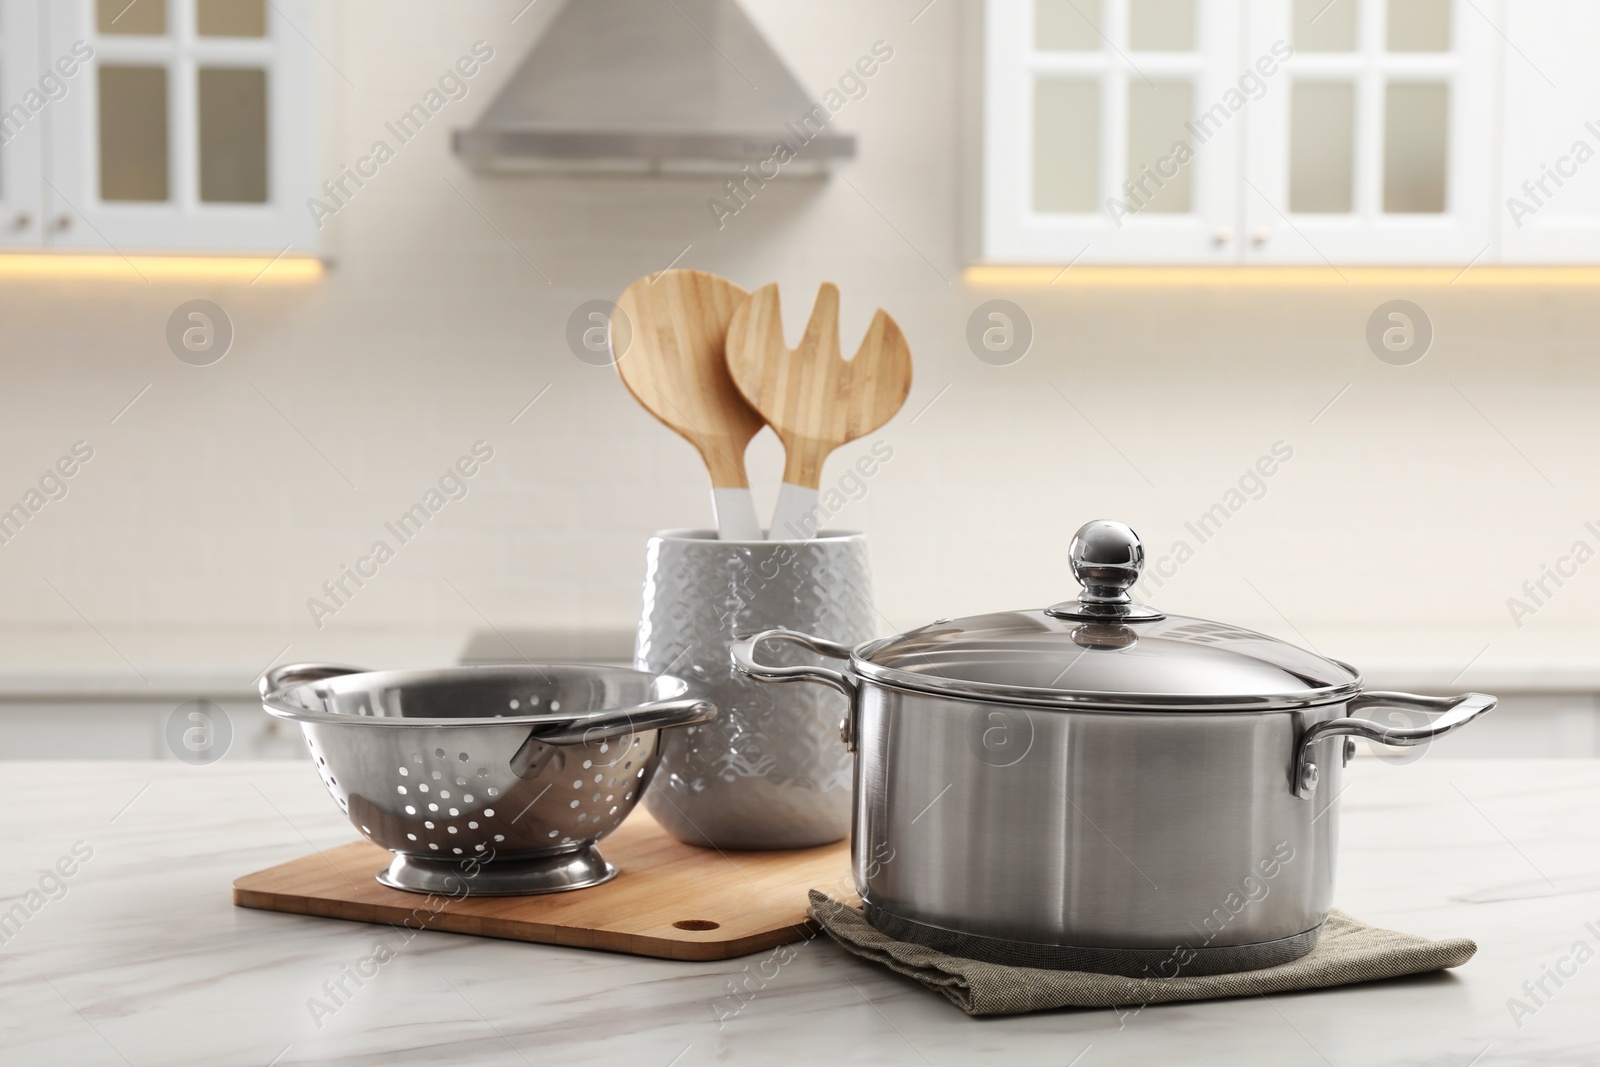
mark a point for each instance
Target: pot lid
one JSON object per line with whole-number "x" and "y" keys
{"x": 1104, "y": 650}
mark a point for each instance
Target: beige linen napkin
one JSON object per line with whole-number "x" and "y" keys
{"x": 1348, "y": 951}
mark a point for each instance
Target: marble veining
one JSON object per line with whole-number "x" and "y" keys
{"x": 139, "y": 956}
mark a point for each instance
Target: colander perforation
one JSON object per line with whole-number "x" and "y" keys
{"x": 470, "y": 762}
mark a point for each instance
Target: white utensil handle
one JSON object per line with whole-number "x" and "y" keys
{"x": 736, "y": 515}
{"x": 796, "y": 518}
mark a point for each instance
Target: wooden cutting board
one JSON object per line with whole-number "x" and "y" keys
{"x": 671, "y": 900}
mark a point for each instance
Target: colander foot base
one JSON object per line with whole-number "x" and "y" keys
{"x": 501, "y": 877}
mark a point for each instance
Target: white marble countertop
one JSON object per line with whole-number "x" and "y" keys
{"x": 165, "y": 663}
{"x": 161, "y": 663}
{"x": 144, "y": 959}
{"x": 175, "y": 663}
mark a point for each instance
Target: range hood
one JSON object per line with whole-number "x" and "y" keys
{"x": 652, "y": 85}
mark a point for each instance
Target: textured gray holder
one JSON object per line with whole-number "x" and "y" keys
{"x": 770, "y": 771}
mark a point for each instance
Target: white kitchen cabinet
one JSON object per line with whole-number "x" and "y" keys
{"x": 22, "y": 104}
{"x": 1549, "y": 206}
{"x": 1378, "y": 144}
{"x": 1087, "y": 106}
{"x": 184, "y": 125}
{"x": 1320, "y": 132}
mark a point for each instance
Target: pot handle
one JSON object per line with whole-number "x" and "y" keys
{"x": 743, "y": 652}
{"x": 1458, "y": 711}
{"x": 615, "y": 722}
{"x": 276, "y": 681}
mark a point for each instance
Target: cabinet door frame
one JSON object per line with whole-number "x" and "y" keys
{"x": 1549, "y": 123}
{"x": 1012, "y": 232}
{"x": 1465, "y": 232}
{"x": 72, "y": 167}
{"x": 22, "y": 153}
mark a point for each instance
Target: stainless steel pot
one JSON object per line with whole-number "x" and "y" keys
{"x": 1098, "y": 786}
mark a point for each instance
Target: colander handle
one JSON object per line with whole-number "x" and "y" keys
{"x": 616, "y": 722}
{"x": 276, "y": 681}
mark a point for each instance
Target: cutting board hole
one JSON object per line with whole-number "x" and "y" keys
{"x": 696, "y": 924}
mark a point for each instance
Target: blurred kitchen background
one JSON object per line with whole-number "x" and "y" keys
{"x": 1148, "y": 357}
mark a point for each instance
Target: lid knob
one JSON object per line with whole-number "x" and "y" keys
{"x": 1107, "y": 559}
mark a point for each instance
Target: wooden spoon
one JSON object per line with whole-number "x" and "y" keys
{"x": 810, "y": 396}
{"x": 675, "y": 367}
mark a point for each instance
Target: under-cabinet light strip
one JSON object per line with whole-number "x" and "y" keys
{"x": 143, "y": 268}
{"x": 1032, "y": 277}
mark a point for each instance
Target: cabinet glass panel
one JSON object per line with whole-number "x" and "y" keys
{"x": 1161, "y": 25}
{"x": 1415, "y": 147}
{"x": 1324, "y": 25}
{"x": 139, "y": 17}
{"x": 1066, "y": 145}
{"x": 1322, "y": 121}
{"x": 233, "y": 135}
{"x": 1156, "y": 114}
{"x": 231, "y": 18}
{"x": 1419, "y": 26}
{"x": 1066, "y": 25}
{"x": 133, "y": 133}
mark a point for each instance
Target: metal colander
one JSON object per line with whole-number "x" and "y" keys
{"x": 486, "y": 780}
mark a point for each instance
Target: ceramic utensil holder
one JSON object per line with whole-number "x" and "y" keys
{"x": 771, "y": 771}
